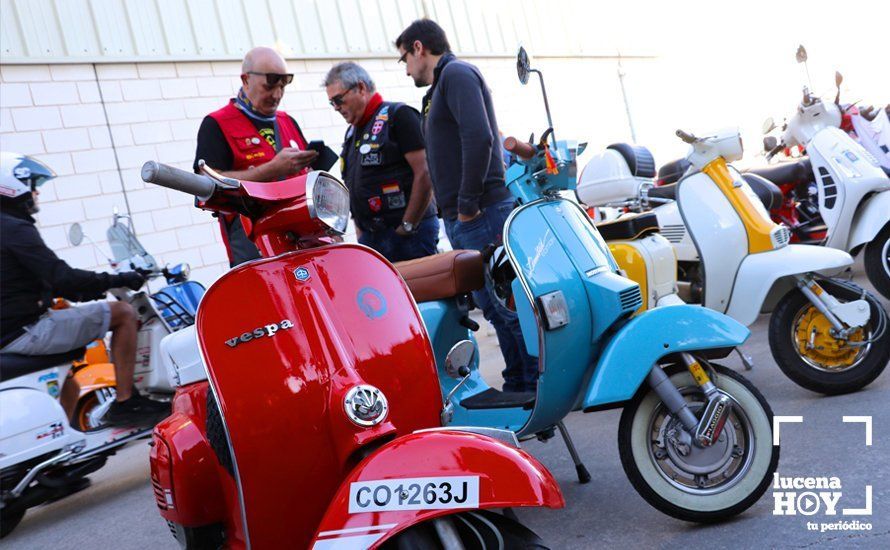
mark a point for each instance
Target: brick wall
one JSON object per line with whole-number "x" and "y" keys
{"x": 154, "y": 110}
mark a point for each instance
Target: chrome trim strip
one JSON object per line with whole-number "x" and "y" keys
{"x": 504, "y": 436}
{"x": 522, "y": 280}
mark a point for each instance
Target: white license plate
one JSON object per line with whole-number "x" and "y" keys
{"x": 416, "y": 493}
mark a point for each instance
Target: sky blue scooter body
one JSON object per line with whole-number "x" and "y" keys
{"x": 601, "y": 355}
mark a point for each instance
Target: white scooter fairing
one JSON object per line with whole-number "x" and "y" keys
{"x": 846, "y": 174}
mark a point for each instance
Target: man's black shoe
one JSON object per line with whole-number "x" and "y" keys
{"x": 137, "y": 411}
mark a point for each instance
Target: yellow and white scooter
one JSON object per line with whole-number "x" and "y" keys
{"x": 827, "y": 335}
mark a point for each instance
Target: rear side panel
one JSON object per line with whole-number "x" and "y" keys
{"x": 719, "y": 235}
{"x": 284, "y": 339}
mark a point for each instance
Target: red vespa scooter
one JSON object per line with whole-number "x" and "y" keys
{"x": 320, "y": 426}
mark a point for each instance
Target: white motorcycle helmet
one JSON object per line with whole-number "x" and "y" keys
{"x": 20, "y": 175}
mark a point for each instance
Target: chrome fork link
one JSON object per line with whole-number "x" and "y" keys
{"x": 717, "y": 410}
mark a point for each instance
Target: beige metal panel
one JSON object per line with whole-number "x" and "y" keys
{"x": 112, "y": 27}
{"x": 148, "y": 35}
{"x": 72, "y": 31}
{"x": 177, "y": 28}
{"x": 74, "y": 17}
{"x": 310, "y": 28}
{"x": 207, "y": 29}
{"x": 285, "y": 28}
{"x": 11, "y": 44}
{"x": 39, "y": 28}
{"x": 333, "y": 34}
{"x": 234, "y": 25}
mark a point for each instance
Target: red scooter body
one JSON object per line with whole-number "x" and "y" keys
{"x": 284, "y": 340}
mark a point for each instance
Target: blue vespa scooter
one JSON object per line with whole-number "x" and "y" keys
{"x": 695, "y": 438}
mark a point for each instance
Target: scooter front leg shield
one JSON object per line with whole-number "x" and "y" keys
{"x": 429, "y": 474}
{"x": 637, "y": 346}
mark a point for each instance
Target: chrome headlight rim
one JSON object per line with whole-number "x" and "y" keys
{"x": 311, "y": 181}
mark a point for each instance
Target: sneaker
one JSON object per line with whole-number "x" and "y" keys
{"x": 137, "y": 411}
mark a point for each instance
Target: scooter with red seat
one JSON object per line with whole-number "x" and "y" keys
{"x": 319, "y": 422}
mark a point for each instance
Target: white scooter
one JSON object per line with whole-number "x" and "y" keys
{"x": 852, "y": 189}
{"x": 826, "y": 335}
{"x": 43, "y": 456}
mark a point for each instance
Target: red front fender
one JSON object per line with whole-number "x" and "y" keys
{"x": 507, "y": 476}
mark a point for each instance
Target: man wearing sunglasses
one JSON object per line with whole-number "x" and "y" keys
{"x": 384, "y": 167}
{"x": 250, "y": 138}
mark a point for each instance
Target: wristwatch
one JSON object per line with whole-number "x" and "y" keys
{"x": 409, "y": 227}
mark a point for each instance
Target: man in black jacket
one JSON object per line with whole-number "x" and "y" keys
{"x": 467, "y": 170}
{"x": 31, "y": 275}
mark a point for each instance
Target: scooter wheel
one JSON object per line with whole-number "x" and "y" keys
{"x": 708, "y": 484}
{"x": 478, "y": 530}
{"x": 803, "y": 347}
{"x": 10, "y": 517}
{"x": 877, "y": 261}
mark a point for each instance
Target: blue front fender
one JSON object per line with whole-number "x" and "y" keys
{"x": 628, "y": 357}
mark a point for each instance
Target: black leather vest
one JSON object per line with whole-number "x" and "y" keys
{"x": 377, "y": 175}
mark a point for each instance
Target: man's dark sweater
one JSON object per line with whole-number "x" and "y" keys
{"x": 462, "y": 142}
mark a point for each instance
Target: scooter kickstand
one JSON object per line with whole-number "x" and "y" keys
{"x": 583, "y": 474}
{"x": 747, "y": 361}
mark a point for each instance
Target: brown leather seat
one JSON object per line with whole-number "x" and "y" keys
{"x": 443, "y": 275}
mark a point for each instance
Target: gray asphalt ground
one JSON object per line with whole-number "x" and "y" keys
{"x": 118, "y": 510}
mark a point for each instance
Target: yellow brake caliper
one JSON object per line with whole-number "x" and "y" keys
{"x": 815, "y": 342}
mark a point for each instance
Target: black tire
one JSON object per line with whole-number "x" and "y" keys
{"x": 827, "y": 380}
{"x": 748, "y": 461}
{"x": 478, "y": 530}
{"x": 877, "y": 261}
{"x": 216, "y": 435}
{"x": 10, "y": 517}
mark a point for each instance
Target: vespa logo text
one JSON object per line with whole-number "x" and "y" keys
{"x": 259, "y": 332}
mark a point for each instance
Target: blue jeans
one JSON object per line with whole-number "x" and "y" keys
{"x": 397, "y": 248}
{"x": 521, "y": 372}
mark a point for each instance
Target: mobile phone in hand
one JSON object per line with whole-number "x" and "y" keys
{"x": 316, "y": 145}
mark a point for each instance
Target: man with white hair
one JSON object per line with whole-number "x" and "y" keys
{"x": 250, "y": 138}
{"x": 384, "y": 167}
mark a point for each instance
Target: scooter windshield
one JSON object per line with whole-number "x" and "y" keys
{"x": 126, "y": 248}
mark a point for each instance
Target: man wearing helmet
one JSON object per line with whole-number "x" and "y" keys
{"x": 31, "y": 275}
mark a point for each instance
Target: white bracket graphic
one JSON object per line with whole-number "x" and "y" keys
{"x": 861, "y": 511}
{"x": 777, "y": 421}
{"x": 867, "y": 421}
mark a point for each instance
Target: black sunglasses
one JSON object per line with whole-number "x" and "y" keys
{"x": 404, "y": 56}
{"x": 272, "y": 79}
{"x": 337, "y": 100}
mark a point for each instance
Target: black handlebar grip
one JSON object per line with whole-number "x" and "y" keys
{"x": 179, "y": 180}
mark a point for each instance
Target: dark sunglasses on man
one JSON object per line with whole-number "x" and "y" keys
{"x": 338, "y": 100}
{"x": 273, "y": 79}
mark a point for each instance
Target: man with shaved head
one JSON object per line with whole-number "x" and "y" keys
{"x": 250, "y": 138}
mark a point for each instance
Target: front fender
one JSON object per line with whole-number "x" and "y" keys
{"x": 93, "y": 377}
{"x": 634, "y": 349}
{"x": 872, "y": 216}
{"x": 508, "y": 477}
{"x": 758, "y": 273}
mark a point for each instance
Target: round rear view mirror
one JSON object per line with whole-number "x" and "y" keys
{"x": 838, "y": 79}
{"x": 770, "y": 143}
{"x": 75, "y": 234}
{"x": 459, "y": 358}
{"x": 801, "y": 55}
{"x": 522, "y": 65}
{"x": 768, "y": 125}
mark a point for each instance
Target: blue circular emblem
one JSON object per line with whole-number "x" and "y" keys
{"x": 371, "y": 302}
{"x": 302, "y": 274}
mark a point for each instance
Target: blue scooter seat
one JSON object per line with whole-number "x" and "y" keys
{"x": 496, "y": 399}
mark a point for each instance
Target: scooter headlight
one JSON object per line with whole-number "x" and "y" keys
{"x": 328, "y": 201}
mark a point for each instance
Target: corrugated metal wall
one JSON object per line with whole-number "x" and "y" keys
{"x": 104, "y": 31}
